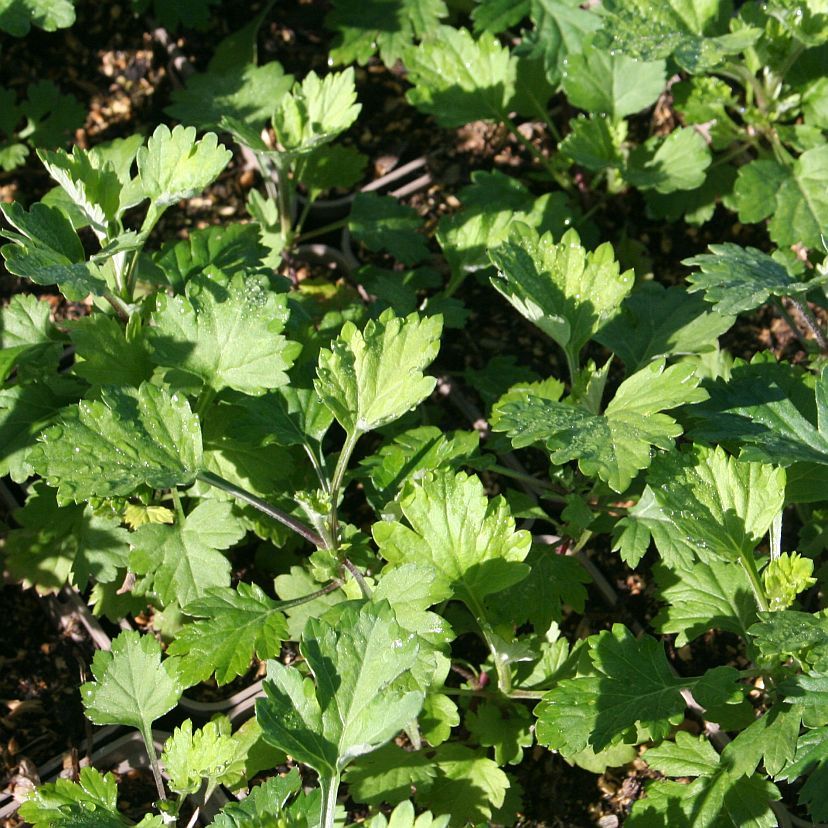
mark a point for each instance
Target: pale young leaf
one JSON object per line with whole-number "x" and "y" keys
{"x": 174, "y": 165}
{"x": 372, "y": 377}
{"x": 131, "y": 684}
{"x": 468, "y": 538}
{"x": 316, "y": 111}
{"x": 566, "y": 291}
{"x": 356, "y": 704}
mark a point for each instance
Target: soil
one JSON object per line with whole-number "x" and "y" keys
{"x": 40, "y": 670}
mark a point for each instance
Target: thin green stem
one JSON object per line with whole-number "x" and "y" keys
{"x": 336, "y": 482}
{"x": 358, "y": 577}
{"x": 329, "y": 787}
{"x": 263, "y": 506}
{"x": 535, "y": 482}
{"x": 146, "y": 734}
{"x": 303, "y": 216}
{"x": 179, "y": 509}
{"x": 317, "y": 467}
{"x": 119, "y": 305}
{"x": 283, "y": 183}
{"x": 311, "y": 596}
{"x": 504, "y": 674}
{"x": 321, "y": 231}
{"x": 749, "y": 565}
{"x": 791, "y": 322}
{"x": 811, "y": 322}
{"x": 572, "y": 365}
{"x": 207, "y": 395}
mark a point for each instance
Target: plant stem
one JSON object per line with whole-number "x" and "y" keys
{"x": 749, "y": 565}
{"x": 529, "y": 480}
{"x": 358, "y": 577}
{"x": 263, "y": 506}
{"x": 811, "y": 322}
{"x": 791, "y": 322}
{"x": 317, "y": 467}
{"x": 336, "y": 482}
{"x": 146, "y": 734}
{"x": 504, "y": 675}
{"x": 206, "y": 396}
{"x": 329, "y": 786}
{"x": 311, "y": 596}
{"x": 321, "y": 231}
{"x": 121, "y": 307}
{"x": 179, "y": 509}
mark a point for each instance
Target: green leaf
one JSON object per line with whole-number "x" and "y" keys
{"x": 358, "y": 702}
{"x": 561, "y": 27}
{"x": 25, "y": 410}
{"x": 694, "y": 33}
{"x": 809, "y": 692}
{"x": 389, "y": 774}
{"x": 242, "y": 91}
{"x": 233, "y": 625}
{"x": 181, "y": 562}
{"x": 718, "y": 797}
{"x": 469, "y": 786}
{"x": 801, "y": 209}
{"x": 114, "y": 445}
{"x": 768, "y": 409}
{"x": 704, "y": 596}
{"x": 209, "y": 753}
{"x": 788, "y": 634}
{"x": 616, "y": 445}
{"x": 412, "y": 452}
{"x": 174, "y": 166}
{"x": 18, "y": 16}
{"x": 564, "y": 290}
{"x": 496, "y": 16}
{"x": 27, "y": 337}
{"x": 610, "y": 83}
{"x": 52, "y": 116}
{"x": 633, "y": 688}
{"x": 55, "y": 544}
{"x": 109, "y": 354}
{"x": 316, "y": 111}
{"x": 191, "y": 333}
{"x": 677, "y": 162}
{"x": 264, "y": 803}
{"x": 458, "y": 79}
{"x": 738, "y": 279}
{"x": 657, "y": 322}
{"x": 329, "y": 167}
{"x": 705, "y": 99}
{"x": 91, "y": 802}
{"x": 470, "y": 540}
{"x": 132, "y": 686}
{"x": 721, "y": 505}
{"x": 386, "y": 26}
{"x": 506, "y": 728}
{"x": 47, "y": 251}
{"x": 403, "y": 817}
{"x": 231, "y": 249}
{"x": 757, "y": 185}
{"x": 491, "y": 204}
{"x": 372, "y": 377}
{"x": 383, "y": 223}
{"x": 554, "y": 581}
{"x": 591, "y": 144}
{"x": 812, "y": 760}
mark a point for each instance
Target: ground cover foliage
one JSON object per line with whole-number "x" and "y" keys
{"x": 260, "y": 467}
